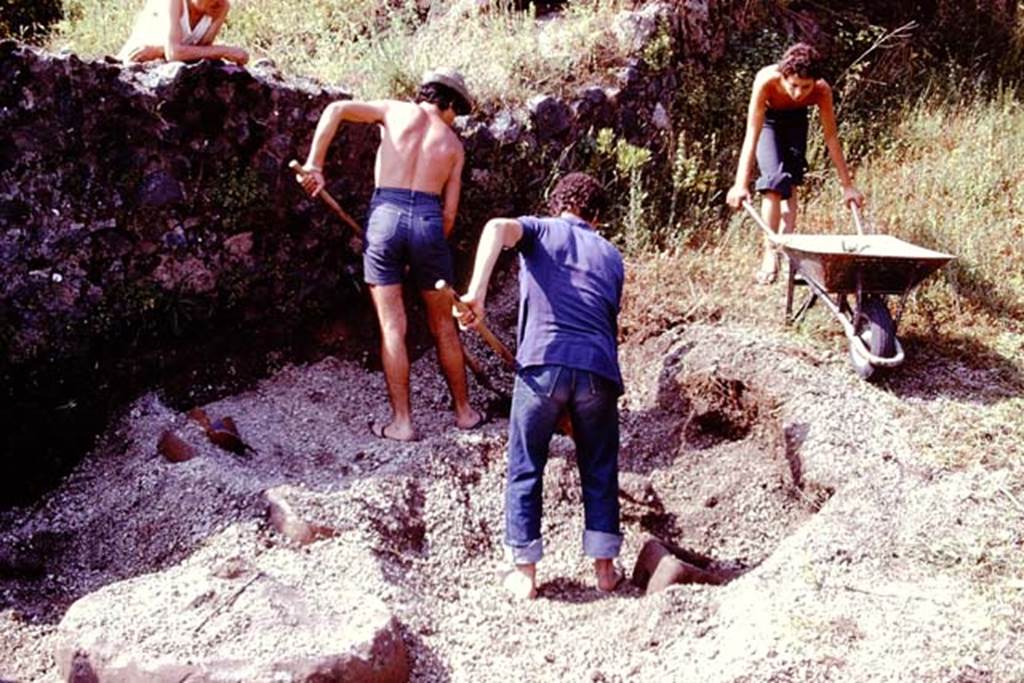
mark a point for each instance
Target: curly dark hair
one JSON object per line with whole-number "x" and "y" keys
{"x": 580, "y": 194}
{"x": 802, "y": 60}
{"x": 443, "y": 96}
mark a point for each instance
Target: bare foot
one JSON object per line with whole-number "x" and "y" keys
{"x": 766, "y": 274}
{"x": 608, "y": 577}
{"x": 520, "y": 582}
{"x": 392, "y": 431}
{"x": 470, "y": 419}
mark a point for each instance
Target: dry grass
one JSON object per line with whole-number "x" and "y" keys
{"x": 949, "y": 179}
{"x": 962, "y": 383}
{"x": 378, "y": 49}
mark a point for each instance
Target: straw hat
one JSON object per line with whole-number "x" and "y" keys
{"x": 451, "y": 78}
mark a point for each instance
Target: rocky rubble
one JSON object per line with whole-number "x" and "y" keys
{"x": 833, "y": 541}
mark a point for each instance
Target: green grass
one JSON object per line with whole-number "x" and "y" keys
{"x": 380, "y": 49}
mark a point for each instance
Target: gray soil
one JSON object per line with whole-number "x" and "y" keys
{"x": 857, "y": 558}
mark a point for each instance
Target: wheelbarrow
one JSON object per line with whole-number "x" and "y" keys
{"x": 867, "y": 267}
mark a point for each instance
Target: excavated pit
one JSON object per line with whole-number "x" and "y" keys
{"x": 707, "y": 464}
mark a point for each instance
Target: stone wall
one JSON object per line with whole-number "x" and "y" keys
{"x": 147, "y": 209}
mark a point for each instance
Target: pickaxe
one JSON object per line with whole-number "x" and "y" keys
{"x": 328, "y": 199}
{"x": 564, "y": 423}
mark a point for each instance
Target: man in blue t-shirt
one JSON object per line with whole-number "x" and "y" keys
{"x": 570, "y": 285}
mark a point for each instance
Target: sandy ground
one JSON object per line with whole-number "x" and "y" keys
{"x": 857, "y": 557}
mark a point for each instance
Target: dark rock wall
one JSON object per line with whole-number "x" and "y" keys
{"x": 127, "y": 192}
{"x": 145, "y": 211}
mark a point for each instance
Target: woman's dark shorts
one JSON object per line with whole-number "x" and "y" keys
{"x": 405, "y": 227}
{"x": 782, "y": 151}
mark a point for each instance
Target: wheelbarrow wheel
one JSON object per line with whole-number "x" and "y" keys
{"x": 877, "y": 330}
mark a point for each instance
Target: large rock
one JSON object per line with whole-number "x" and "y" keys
{"x": 230, "y": 621}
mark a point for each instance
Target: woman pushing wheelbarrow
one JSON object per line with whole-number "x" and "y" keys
{"x": 852, "y": 275}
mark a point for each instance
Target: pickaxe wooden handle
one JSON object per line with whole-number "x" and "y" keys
{"x": 472, "y": 361}
{"x": 328, "y": 199}
{"x": 564, "y": 423}
{"x": 488, "y": 336}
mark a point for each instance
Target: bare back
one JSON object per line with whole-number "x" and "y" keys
{"x": 418, "y": 150}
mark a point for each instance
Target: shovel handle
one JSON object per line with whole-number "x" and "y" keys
{"x": 328, "y": 199}
{"x": 488, "y": 336}
{"x": 472, "y": 361}
{"x": 564, "y": 423}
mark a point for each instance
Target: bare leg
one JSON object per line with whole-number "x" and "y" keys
{"x": 608, "y": 577}
{"x": 789, "y": 210}
{"x": 521, "y": 582}
{"x": 771, "y": 213}
{"x": 449, "y": 355}
{"x": 387, "y": 299}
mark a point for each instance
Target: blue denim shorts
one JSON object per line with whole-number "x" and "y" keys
{"x": 782, "y": 151}
{"x": 405, "y": 227}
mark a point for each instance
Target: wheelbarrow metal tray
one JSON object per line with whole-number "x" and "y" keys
{"x": 885, "y": 264}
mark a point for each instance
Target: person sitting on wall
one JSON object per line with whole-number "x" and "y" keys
{"x": 570, "y": 285}
{"x": 180, "y": 30}
{"x": 777, "y": 130}
{"x": 418, "y": 179}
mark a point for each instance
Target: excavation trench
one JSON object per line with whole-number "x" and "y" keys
{"x": 706, "y": 465}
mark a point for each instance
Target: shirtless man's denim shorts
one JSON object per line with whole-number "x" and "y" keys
{"x": 405, "y": 227}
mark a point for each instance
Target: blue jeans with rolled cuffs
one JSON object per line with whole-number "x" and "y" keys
{"x": 538, "y": 398}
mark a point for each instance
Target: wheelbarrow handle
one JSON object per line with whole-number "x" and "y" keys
{"x": 769, "y": 233}
{"x": 857, "y": 220}
{"x": 328, "y": 200}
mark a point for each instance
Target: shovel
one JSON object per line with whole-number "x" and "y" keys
{"x": 328, "y": 199}
{"x": 564, "y": 423}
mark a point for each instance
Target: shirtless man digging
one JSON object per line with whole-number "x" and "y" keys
{"x": 418, "y": 180}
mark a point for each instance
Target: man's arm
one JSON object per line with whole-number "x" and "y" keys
{"x": 835, "y": 148}
{"x": 452, "y": 190}
{"x": 740, "y": 190}
{"x": 498, "y": 234}
{"x": 336, "y": 112}
{"x": 176, "y": 50}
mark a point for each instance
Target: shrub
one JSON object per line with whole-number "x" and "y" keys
{"x": 28, "y": 19}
